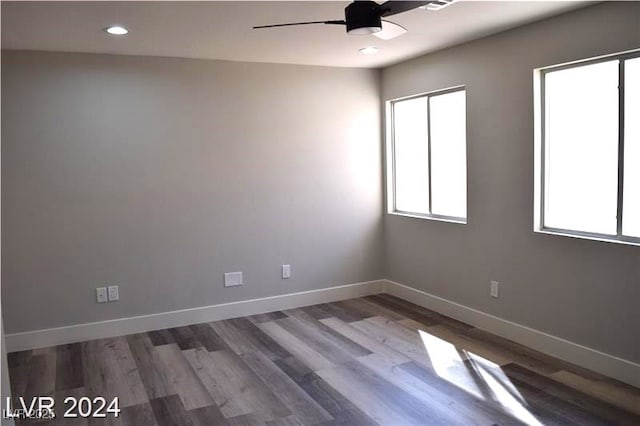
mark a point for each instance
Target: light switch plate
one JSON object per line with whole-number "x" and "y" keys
{"x": 113, "y": 293}
{"x": 232, "y": 279}
{"x": 495, "y": 289}
{"x": 286, "y": 271}
{"x": 101, "y": 295}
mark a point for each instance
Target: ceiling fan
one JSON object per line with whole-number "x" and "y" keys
{"x": 365, "y": 17}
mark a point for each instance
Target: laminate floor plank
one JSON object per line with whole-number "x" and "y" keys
{"x": 355, "y": 307}
{"x": 75, "y": 421}
{"x": 364, "y": 340}
{"x": 370, "y": 309}
{"x": 339, "y": 312}
{"x": 269, "y": 316}
{"x": 208, "y": 337}
{"x": 110, "y": 371}
{"x": 384, "y": 402}
{"x": 150, "y": 367}
{"x": 598, "y": 408}
{"x": 295, "y": 346}
{"x": 618, "y": 394}
{"x": 245, "y": 336}
{"x": 234, "y": 387}
{"x": 444, "y": 405}
{"x": 207, "y": 416}
{"x": 169, "y": 411}
{"x": 69, "y": 371}
{"x": 462, "y": 397}
{"x": 55, "y": 422}
{"x": 555, "y": 411}
{"x": 133, "y": 415}
{"x": 185, "y": 338}
{"x": 353, "y": 348}
{"x": 543, "y": 363}
{"x": 317, "y": 311}
{"x": 161, "y": 337}
{"x": 343, "y": 411}
{"x": 358, "y": 362}
{"x": 418, "y": 313}
{"x": 330, "y": 349}
{"x": 515, "y": 352}
{"x": 44, "y": 350}
{"x": 138, "y": 415}
{"x": 247, "y": 420}
{"x": 398, "y": 329}
{"x": 181, "y": 377}
{"x": 41, "y": 376}
{"x": 234, "y": 337}
{"x": 18, "y": 364}
{"x": 407, "y": 347}
{"x": 60, "y": 408}
{"x": 460, "y": 341}
{"x": 287, "y": 421}
{"x": 303, "y": 407}
{"x": 19, "y": 358}
{"x": 402, "y": 310}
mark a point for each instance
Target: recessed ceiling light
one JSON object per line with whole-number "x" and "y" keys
{"x": 370, "y": 50}
{"x": 116, "y": 30}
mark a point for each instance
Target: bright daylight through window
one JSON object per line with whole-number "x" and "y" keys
{"x": 590, "y": 149}
{"x": 427, "y": 147}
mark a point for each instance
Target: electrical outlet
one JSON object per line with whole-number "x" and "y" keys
{"x": 113, "y": 293}
{"x": 101, "y": 295}
{"x": 286, "y": 271}
{"x": 495, "y": 289}
{"x": 232, "y": 279}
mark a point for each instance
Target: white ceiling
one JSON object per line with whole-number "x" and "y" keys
{"x": 222, "y": 30}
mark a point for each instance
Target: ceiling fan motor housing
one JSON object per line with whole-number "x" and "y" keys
{"x": 363, "y": 17}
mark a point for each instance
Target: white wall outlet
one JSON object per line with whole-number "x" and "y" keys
{"x": 101, "y": 295}
{"x": 286, "y": 271}
{"x": 113, "y": 293}
{"x": 495, "y": 289}
{"x": 232, "y": 279}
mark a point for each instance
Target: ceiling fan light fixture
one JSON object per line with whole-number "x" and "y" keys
{"x": 362, "y": 17}
{"x": 390, "y": 31}
{"x": 364, "y": 30}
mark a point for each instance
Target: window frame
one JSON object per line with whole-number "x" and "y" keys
{"x": 540, "y": 153}
{"x": 391, "y": 157}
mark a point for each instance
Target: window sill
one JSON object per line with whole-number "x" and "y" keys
{"x": 627, "y": 241}
{"x": 430, "y": 217}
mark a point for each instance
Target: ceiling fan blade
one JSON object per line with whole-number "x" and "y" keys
{"x": 390, "y": 30}
{"x": 301, "y": 23}
{"x": 393, "y": 7}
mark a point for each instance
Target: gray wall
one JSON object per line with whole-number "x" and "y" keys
{"x": 160, "y": 174}
{"x": 4, "y": 378}
{"x": 584, "y": 291}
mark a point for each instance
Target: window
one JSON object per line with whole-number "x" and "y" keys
{"x": 588, "y": 165}
{"x": 427, "y": 167}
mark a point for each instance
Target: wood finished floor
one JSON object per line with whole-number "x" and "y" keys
{"x": 373, "y": 360}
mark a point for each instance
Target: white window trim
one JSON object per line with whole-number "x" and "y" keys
{"x": 390, "y": 162}
{"x": 539, "y": 157}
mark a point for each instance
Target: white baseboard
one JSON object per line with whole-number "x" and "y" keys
{"x": 138, "y": 324}
{"x": 609, "y": 365}
{"x": 600, "y": 362}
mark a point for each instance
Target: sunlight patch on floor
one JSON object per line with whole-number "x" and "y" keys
{"x": 448, "y": 363}
{"x": 479, "y": 376}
